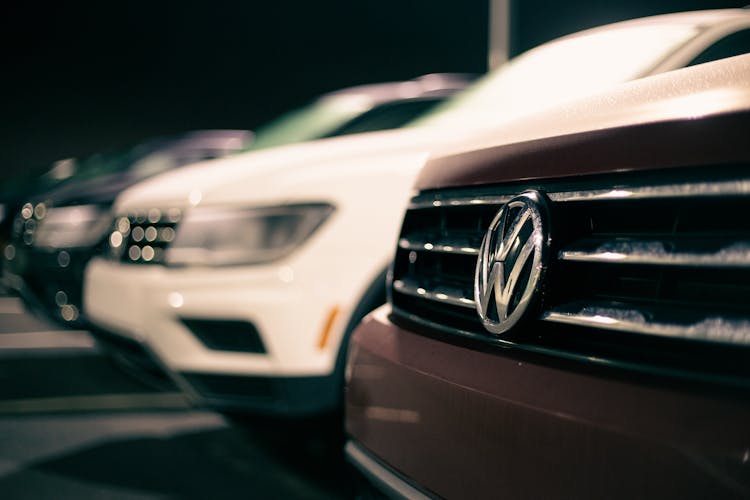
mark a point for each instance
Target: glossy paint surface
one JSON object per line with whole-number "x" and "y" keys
{"x": 469, "y": 423}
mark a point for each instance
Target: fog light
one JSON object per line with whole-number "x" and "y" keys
{"x": 63, "y": 258}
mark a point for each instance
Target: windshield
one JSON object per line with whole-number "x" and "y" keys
{"x": 145, "y": 160}
{"x": 310, "y": 122}
{"x": 561, "y": 71}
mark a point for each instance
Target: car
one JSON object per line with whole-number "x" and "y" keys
{"x": 362, "y": 108}
{"x": 568, "y": 312}
{"x": 55, "y": 233}
{"x": 15, "y": 190}
{"x": 263, "y": 263}
{"x": 58, "y": 231}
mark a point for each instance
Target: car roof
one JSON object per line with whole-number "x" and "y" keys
{"x": 431, "y": 85}
{"x": 701, "y": 18}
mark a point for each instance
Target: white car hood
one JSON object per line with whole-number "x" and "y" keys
{"x": 243, "y": 176}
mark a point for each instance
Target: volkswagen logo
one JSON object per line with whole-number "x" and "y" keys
{"x": 512, "y": 259}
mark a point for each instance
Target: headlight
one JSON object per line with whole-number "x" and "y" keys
{"x": 222, "y": 236}
{"x": 69, "y": 227}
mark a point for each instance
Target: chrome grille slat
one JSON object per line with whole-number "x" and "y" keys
{"x": 444, "y": 294}
{"x": 733, "y": 187}
{"x": 657, "y": 253}
{"x": 651, "y": 321}
{"x": 436, "y": 202}
{"x": 454, "y": 245}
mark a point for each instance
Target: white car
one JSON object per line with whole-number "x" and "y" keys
{"x": 244, "y": 277}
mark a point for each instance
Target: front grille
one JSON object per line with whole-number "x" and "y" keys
{"x": 143, "y": 237}
{"x": 652, "y": 275}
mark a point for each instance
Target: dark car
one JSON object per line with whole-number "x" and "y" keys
{"x": 56, "y": 233}
{"x": 16, "y": 190}
{"x": 569, "y": 312}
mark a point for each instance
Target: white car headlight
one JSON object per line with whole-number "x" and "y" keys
{"x": 231, "y": 236}
{"x": 70, "y": 227}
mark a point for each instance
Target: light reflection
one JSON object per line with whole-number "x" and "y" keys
{"x": 698, "y": 104}
{"x": 154, "y": 215}
{"x": 173, "y": 214}
{"x": 286, "y": 274}
{"x": 134, "y": 252}
{"x": 40, "y": 210}
{"x": 392, "y": 414}
{"x": 27, "y": 211}
{"x": 150, "y": 233}
{"x": 138, "y": 233}
{"x": 175, "y": 300}
{"x": 618, "y": 193}
{"x": 115, "y": 239}
{"x": 195, "y": 197}
{"x": 147, "y": 253}
{"x": 123, "y": 225}
{"x": 167, "y": 234}
{"x": 63, "y": 259}
{"x": 605, "y": 320}
{"x": 612, "y": 255}
{"x": 69, "y": 312}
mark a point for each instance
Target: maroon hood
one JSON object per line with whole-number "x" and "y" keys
{"x": 682, "y": 118}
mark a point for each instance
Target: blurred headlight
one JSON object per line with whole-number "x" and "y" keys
{"x": 220, "y": 236}
{"x": 69, "y": 227}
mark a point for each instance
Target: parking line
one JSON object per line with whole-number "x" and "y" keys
{"x": 98, "y": 402}
{"x": 11, "y": 305}
{"x": 49, "y": 339}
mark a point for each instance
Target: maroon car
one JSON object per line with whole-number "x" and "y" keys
{"x": 569, "y": 311}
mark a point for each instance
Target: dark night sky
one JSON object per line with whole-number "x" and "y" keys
{"x": 85, "y": 76}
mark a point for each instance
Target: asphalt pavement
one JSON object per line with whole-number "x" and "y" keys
{"x": 73, "y": 424}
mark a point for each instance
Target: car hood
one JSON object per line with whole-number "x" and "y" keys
{"x": 255, "y": 174}
{"x": 682, "y": 117}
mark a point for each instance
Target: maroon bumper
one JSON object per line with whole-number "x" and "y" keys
{"x": 468, "y": 423}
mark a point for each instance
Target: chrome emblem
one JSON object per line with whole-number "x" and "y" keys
{"x": 511, "y": 261}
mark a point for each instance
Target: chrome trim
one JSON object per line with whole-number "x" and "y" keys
{"x": 387, "y": 481}
{"x": 452, "y": 246}
{"x": 714, "y": 328}
{"x": 445, "y": 295}
{"x": 458, "y": 202}
{"x": 690, "y": 189}
{"x": 651, "y": 252}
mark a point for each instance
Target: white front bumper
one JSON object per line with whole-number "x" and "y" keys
{"x": 146, "y": 302}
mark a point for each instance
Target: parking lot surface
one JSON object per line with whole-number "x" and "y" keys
{"x": 74, "y": 425}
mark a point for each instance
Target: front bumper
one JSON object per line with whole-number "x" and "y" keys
{"x": 476, "y": 423}
{"x": 150, "y": 304}
{"x": 50, "y": 281}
